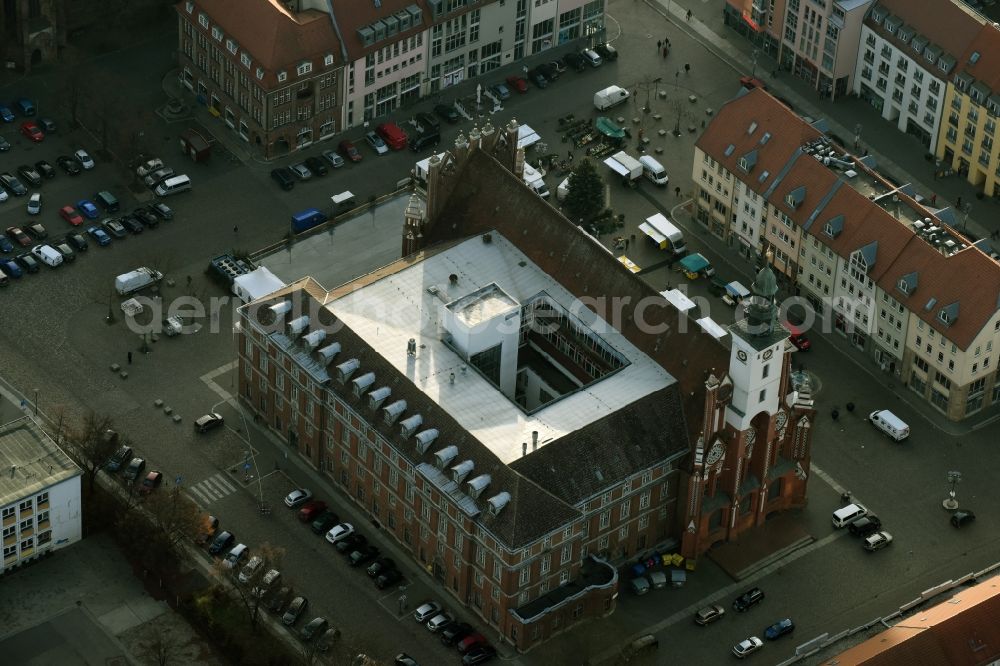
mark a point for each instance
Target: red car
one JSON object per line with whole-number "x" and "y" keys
{"x": 750, "y": 83}
{"x": 18, "y": 234}
{"x": 311, "y": 510}
{"x": 151, "y": 482}
{"x": 69, "y": 214}
{"x": 348, "y": 150}
{"x": 518, "y": 83}
{"x": 30, "y": 129}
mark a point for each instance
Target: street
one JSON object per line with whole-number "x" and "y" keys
{"x": 56, "y": 344}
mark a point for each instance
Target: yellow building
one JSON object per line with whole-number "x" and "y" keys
{"x": 967, "y": 140}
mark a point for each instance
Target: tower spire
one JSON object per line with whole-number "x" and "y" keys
{"x": 762, "y": 310}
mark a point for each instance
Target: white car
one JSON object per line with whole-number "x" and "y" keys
{"x": 297, "y": 497}
{"x": 438, "y": 621}
{"x": 335, "y": 160}
{"x": 251, "y": 568}
{"x": 749, "y": 646}
{"x": 376, "y": 142}
{"x": 877, "y": 541}
{"x": 149, "y": 166}
{"x": 339, "y": 532}
{"x": 426, "y": 611}
{"x": 3, "y": 194}
{"x": 35, "y": 203}
{"x": 85, "y": 160}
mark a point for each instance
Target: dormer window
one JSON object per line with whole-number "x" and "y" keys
{"x": 304, "y": 68}
{"x": 945, "y": 319}
{"x": 328, "y": 60}
{"x": 260, "y": 73}
{"x": 216, "y": 34}
{"x": 203, "y": 20}
{"x": 282, "y": 76}
{"x": 189, "y": 7}
{"x": 903, "y": 286}
{"x": 231, "y": 46}
{"x": 245, "y": 59}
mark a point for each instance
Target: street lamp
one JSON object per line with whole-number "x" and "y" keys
{"x": 857, "y": 136}
{"x": 953, "y": 478}
{"x": 966, "y": 209}
{"x": 36, "y": 402}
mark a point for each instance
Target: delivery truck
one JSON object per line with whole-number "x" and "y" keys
{"x": 133, "y": 281}
{"x": 664, "y": 234}
{"x": 307, "y": 219}
{"x": 609, "y": 97}
{"x": 533, "y": 178}
{"x": 625, "y": 166}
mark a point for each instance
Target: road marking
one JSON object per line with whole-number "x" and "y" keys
{"x": 826, "y": 477}
{"x": 212, "y": 489}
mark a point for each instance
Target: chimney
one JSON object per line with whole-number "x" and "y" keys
{"x": 534, "y": 440}
{"x": 524, "y": 448}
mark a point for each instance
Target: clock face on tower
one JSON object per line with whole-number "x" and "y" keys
{"x": 768, "y": 353}
{"x": 715, "y": 453}
{"x": 742, "y": 355}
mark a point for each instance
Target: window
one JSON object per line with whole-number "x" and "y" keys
{"x": 566, "y": 553}
{"x": 496, "y": 570}
{"x": 203, "y": 20}
{"x": 327, "y": 60}
{"x": 282, "y": 76}
{"x": 525, "y": 577}
{"x": 605, "y": 519}
{"x": 304, "y": 68}
{"x": 644, "y": 500}
{"x": 546, "y": 564}
{"x": 626, "y": 506}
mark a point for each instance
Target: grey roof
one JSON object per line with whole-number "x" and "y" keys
{"x": 909, "y": 281}
{"x": 30, "y": 461}
{"x": 869, "y": 253}
{"x": 835, "y": 225}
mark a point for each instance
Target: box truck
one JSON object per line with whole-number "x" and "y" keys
{"x": 126, "y": 283}
{"x": 533, "y": 178}
{"x": 307, "y": 219}
{"x": 625, "y": 165}
{"x": 664, "y": 233}
{"x": 609, "y": 97}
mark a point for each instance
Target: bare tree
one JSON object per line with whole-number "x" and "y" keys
{"x": 92, "y": 444}
{"x": 252, "y": 591}
{"x": 156, "y": 647}
{"x": 176, "y": 516}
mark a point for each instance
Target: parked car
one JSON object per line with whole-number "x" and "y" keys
{"x": 865, "y": 525}
{"x": 877, "y": 541}
{"x": 591, "y": 57}
{"x": 283, "y": 177}
{"x": 362, "y": 555}
{"x": 151, "y": 482}
{"x": 294, "y": 611}
{"x": 747, "y": 647}
{"x": 535, "y": 76}
{"x": 68, "y": 164}
{"x": 750, "y": 598}
{"x": 251, "y": 569}
{"x": 606, "y": 51}
{"x": 66, "y": 251}
{"x": 100, "y": 236}
{"x": 16, "y": 233}
{"x": 131, "y": 224}
{"x": 328, "y": 639}
{"x": 316, "y": 626}
{"x": 207, "y": 528}
{"x": 34, "y": 203}
{"x": 46, "y": 169}
{"x": 48, "y": 125}
{"x": 349, "y": 151}
{"x": 77, "y": 242}
{"x": 114, "y": 227}
{"x": 297, "y": 497}
{"x": 479, "y": 655}
{"x": 3, "y": 195}
{"x": 235, "y": 554}
{"x": 388, "y": 578}
{"x": 134, "y": 469}
{"x": 279, "y": 600}
{"x": 962, "y": 518}
{"x": 324, "y": 522}
{"x": 162, "y": 210}
{"x": 4, "y": 145}
{"x": 447, "y": 112}
{"x": 25, "y": 106}
{"x": 349, "y": 543}
{"x": 500, "y": 91}
{"x": 27, "y": 262}
{"x": 338, "y": 532}
{"x": 208, "y": 422}
{"x": 517, "y": 83}
{"x": 469, "y": 642}
{"x": 38, "y": 231}
{"x": 426, "y": 611}
{"x": 779, "y": 629}
{"x": 148, "y": 167}
{"x": 549, "y": 72}
{"x": 454, "y": 633}
{"x": 157, "y": 176}
{"x": 223, "y": 542}
{"x": 376, "y": 142}
{"x": 146, "y": 217}
{"x": 575, "y": 61}
{"x": 88, "y": 209}
{"x": 6, "y": 114}
{"x": 30, "y": 129}
{"x": 11, "y": 268}
{"x": 85, "y": 160}
{"x": 30, "y": 175}
{"x": 380, "y": 565}
{"x": 316, "y": 165}
{"x": 428, "y": 122}
{"x": 6, "y": 245}
{"x": 438, "y": 621}
{"x": 12, "y": 184}
{"x": 335, "y": 160}
{"x": 267, "y": 583}
{"x": 709, "y": 614}
{"x": 300, "y": 171}
{"x": 310, "y": 510}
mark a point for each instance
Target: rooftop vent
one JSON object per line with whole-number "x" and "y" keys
{"x": 445, "y": 456}
{"x": 297, "y": 325}
{"x": 378, "y": 396}
{"x": 461, "y": 470}
{"x": 279, "y": 310}
{"x": 313, "y": 338}
{"x": 476, "y": 486}
{"x": 409, "y": 425}
{"x": 325, "y": 354}
{"x": 362, "y": 383}
{"x": 392, "y": 412}
{"x": 498, "y": 502}
{"x": 411, "y": 347}
{"x": 346, "y": 369}
{"x": 425, "y": 438}
{"x": 453, "y": 278}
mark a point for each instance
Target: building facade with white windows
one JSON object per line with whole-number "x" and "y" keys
{"x": 40, "y": 506}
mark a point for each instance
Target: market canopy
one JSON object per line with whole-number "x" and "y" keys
{"x": 694, "y": 262}
{"x": 678, "y": 299}
{"x": 527, "y": 136}
{"x": 709, "y": 326}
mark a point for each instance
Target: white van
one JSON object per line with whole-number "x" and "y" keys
{"x": 654, "y": 171}
{"x": 48, "y": 254}
{"x": 173, "y": 185}
{"x": 846, "y": 515}
{"x": 890, "y": 424}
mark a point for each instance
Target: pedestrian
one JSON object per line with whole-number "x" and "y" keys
{"x": 667, "y": 43}
{"x": 658, "y": 44}
{"x": 689, "y": 15}
{"x": 958, "y": 204}
{"x": 236, "y": 229}
{"x": 687, "y": 68}
{"x": 189, "y": 281}
{"x": 934, "y": 199}
{"x": 130, "y": 358}
{"x": 677, "y": 192}
{"x": 665, "y": 51}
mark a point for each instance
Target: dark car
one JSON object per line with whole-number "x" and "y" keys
{"x": 77, "y": 242}
{"x": 66, "y": 251}
{"x": 69, "y": 165}
{"x": 779, "y": 629}
{"x": 455, "y": 632}
{"x": 535, "y": 76}
{"x": 362, "y": 555}
{"x": 30, "y": 174}
{"x": 135, "y": 469}
{"x": 316, "y": 165}
{"x": 549, "y": 71}
{"x": 388, "y": 578}
{"x": 38, "y": 231}
{"x": 447, "y": 113}
{"x": 479, "y": 655}
{"x": 428, "y": 122}
{"x": 116, "y": 461}
{"x": 962, "y": 518}
{"x": 316, "y": 626}
{"x": 46, "y": 169}
{"x": 132, "y": 224}
{"x": 350, "y": 543}
{"x": 380, "y": 565}
{"x": 114, "y": 227}
{"x": 279, "y": 600}
{"x": 751, "y": 597}
{"x": 146, "y": 217}
{"x": 607, "y": 51}
{"x": 27, "y": 262}
{"x": 517, "y": 83}
{"x": 222, "y": 543}
{"x": 6, "y": 245}
{"x": 865, "y": 526}
{"x": 10, "y": 183}
{"x": 349, "y": 151}
{"x": 295, "y": 610}
{"x": 283, "y": 177}
{"x": 162, "y": 210}
{"x": 325, "y": 521}
{"x": 575, "y": 61}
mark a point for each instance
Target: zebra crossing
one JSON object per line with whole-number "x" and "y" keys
{"x": 212, "y": 489}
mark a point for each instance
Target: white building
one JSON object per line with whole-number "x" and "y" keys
{"x": 39, "y": 494}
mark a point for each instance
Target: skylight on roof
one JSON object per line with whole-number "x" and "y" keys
{"x": 974, "y": 58}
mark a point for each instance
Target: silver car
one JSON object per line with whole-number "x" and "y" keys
{"x": 376, "y": 142}
{"x": 335, "y": 160}
{"x": 301, "y": 171}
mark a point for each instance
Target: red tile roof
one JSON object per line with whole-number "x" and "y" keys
{"x": 987, "y": 66}
{"x": 275, "y": 38}
{"x": 354, "y": 14}
{"x": 946, "y": 24}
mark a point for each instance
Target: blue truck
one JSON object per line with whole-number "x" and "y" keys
{"x": 307, "y": 219}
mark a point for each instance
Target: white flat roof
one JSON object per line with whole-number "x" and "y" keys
{"x": 678, "y": 299}
{"x": 411, "y": 303}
